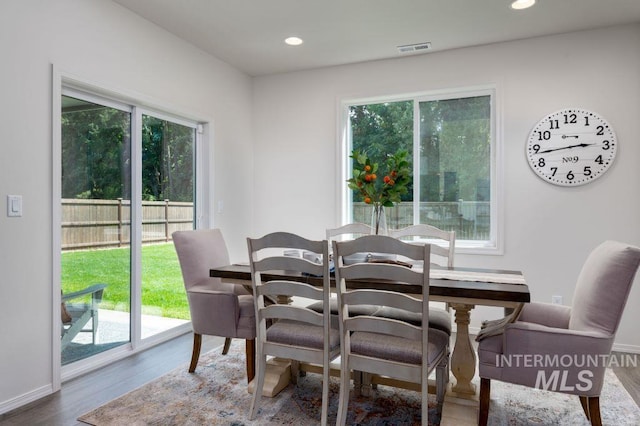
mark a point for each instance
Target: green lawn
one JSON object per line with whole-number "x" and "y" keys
{"x": 163, "y": 291}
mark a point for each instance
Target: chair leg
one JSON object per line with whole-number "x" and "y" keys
{"x": 325, "y": 391}
{"x": 197, "y": 344}
{"x": 594, "y": 411}
{"x": 345, "y": 375}
{"x": 441, "y": 380}
{"x": 250, "y": 357}
{"x": 227, "y": 344}
{"x": 485, "y": 391}
{"x": 257, "y": 390}
{"x": 584, "y": 401}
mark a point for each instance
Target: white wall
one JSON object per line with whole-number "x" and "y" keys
{"x": 101, "y": 42}
{"x": 549, "y": 230}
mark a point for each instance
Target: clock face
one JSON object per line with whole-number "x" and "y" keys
{"x": 571, "y": 147}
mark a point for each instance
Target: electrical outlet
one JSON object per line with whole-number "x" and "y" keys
{"x": 556, "y": 300}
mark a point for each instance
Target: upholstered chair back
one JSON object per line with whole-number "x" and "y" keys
{"x": 603, "y": 287}
{"x": 199, "y": 251}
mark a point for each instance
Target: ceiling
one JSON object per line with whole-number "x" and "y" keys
{"x": 249, "y": 34}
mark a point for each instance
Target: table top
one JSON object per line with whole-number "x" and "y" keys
{"x": 446, "y": 289}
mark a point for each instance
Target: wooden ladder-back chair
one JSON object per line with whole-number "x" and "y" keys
{"x": 383, "y": 346}
{"x": 297, "y": 332}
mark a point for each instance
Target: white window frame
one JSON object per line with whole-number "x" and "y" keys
{"x": 492, "y": 246}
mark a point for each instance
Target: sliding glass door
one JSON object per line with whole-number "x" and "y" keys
{"x": 127, "y": 183}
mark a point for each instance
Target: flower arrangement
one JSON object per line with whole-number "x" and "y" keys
{"x": 380, "y": 192}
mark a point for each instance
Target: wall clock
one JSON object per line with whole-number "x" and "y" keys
{"x": 571, "y": 147}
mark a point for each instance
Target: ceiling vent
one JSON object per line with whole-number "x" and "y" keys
{"x": 415, "y": 48}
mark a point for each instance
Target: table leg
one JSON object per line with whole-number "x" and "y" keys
{"x": 463, "y": 358}
{"x": 276, "y": 377}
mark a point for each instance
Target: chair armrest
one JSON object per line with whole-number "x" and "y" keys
{"x": 214, "y": 312}
{"x": 558, "y": 359}
{"x": 95, "y": 289}
{"x": 546, "y": 314}
{"x": 528, "y": 338}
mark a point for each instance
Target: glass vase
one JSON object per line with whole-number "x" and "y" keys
{"x": 378, "y": 221}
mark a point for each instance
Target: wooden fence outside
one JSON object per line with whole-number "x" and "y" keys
{"x": 470, "y": 219}
{"x": 106, "y": 223}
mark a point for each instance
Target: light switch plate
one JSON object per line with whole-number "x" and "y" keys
{"x": 14, "y": 205}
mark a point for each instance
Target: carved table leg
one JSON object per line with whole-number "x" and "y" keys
{"x": 463, "y": 358}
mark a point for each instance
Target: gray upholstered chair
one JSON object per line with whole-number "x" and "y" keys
{"x": 217, "y": 308}
{"x": 297, "y": 332}
{"x": 378, "y": 345}
{"x": 550, "y": 333}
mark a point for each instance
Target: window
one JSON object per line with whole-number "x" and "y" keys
{"x": 452, "y": 147}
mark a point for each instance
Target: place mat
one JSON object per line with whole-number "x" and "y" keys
{"x": 445, "y": 274}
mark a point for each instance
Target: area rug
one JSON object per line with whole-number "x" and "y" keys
{"x": 216, "y": 394}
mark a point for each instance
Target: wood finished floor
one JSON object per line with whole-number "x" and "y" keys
{"x": 90, "y": 391}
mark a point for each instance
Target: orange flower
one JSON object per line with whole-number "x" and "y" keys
{"x": 387, "y": 179}
{"x": 367, "y": 200}
{"x": 367, "y": 168}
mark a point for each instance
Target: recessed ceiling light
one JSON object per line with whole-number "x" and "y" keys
{"x": 522, "y": 4}
{"x": 293, "y": 41}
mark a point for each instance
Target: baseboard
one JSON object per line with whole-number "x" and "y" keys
{"x": 24, "y": 399}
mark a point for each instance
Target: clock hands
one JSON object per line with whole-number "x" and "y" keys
{"x": 569, "y": 136}
{"x": 580, "y": 145}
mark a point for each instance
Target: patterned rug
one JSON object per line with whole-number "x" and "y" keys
{"x": 217, "y": 395}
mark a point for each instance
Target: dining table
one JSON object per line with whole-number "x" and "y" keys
{"x": 461, "y": 288}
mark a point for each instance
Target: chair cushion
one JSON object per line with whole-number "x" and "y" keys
{"x": 354, "y": 310}
{"x": 439, "y": 319}
{"x": 399, "y": 349}
{"x": 301, "y": 334}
